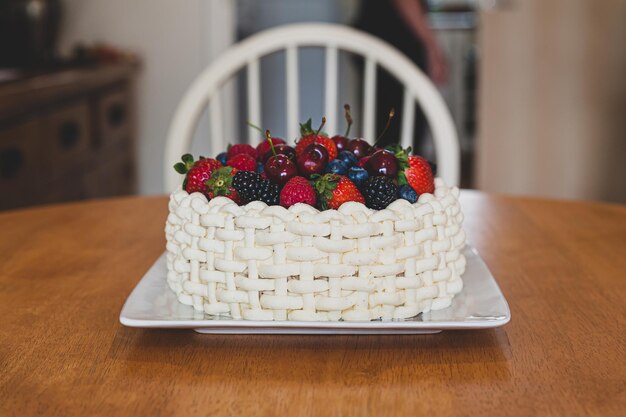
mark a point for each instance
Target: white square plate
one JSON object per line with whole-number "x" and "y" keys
{"x": 480, "y": 305}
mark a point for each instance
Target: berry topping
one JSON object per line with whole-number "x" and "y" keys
{"x": 358, "y": 147}
{"x": 222, "y": 157}
{"x": 281, "y": 148}
{"x": 382, "y": 162}
{"x": 379, "y": 192}
{"x": 333, "y": 190}
{"x": 337, "y": 166}
{"x": 297, "y": 190}
{"x": 242, "y": 162}
{"x": 279, "y": 168}
{"x": 221, "y": 184}
{"x": 197, "y": 172}
{"x": 240, "y": 148}
{"x": 264, "y": 148}
{"x": 418, "y": 175}
{"x": 309, "y": 136}
{"x": 357, "y": 175}
{"x": 406, "y": 192}
{"x": 348, "y": 157}
{"x": 252, "y": 187}
{"x": 312, "y": 160}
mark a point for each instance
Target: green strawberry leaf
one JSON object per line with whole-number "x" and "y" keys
{"x": 187, "y": 158}
{"x": 180, "y": 168}
{"x": 305, "y": 128}
{"x": 402, "y": 179}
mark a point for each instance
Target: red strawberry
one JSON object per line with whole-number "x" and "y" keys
{"x": 263, "y": 147}
{"x": 419, "y": 175}
{"x": 221, "y": 184}
{"x": 239, "y": 149}
{"x": 196, "y": 172}
{"x": 243, "y": 162}
{"x": 308, "y": 136}
{"x": 297, "y": 190}
{"x": 333, "y": 190}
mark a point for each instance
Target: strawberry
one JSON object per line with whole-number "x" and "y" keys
{"x": 221, "y": 184}
{"x": 308, "y": 136}
{"x": 297, "y": 190}
{"x": 240, "y": 148}
{"x": 263, "y": 147}
{"x": 333, "y": 190}
{"x": 243, "y": 162}
{"x": 196, "y": 172}
{"x": 419, "y": 175}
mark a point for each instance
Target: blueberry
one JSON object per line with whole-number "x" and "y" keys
{"x": 260, "y": 167}
{"x": 222, "y": 158}
{"x": 406, "y": 192}
{"x": 337, "y": 166}
{"x": 357, "y": 175}
{"x": 348, "y": 157}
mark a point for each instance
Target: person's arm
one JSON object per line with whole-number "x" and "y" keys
{"x": 414, "y": 16}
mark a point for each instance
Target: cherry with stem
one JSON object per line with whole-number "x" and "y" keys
{"x": 348, "y": 117}
{"x": 392, "y": 113}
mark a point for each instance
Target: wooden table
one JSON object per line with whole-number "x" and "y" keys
{"x": 65, "y": 272}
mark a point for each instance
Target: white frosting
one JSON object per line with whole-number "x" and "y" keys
{"x": 260, "y": 262}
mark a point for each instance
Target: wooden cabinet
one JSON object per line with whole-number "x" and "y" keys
{"x": 67, "y": 136}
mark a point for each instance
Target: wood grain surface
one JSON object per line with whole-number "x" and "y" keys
{"x": 65, "y": 272}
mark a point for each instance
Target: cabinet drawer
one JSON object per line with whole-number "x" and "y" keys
{"x": 21, "y": 160}
{"x": 66, "y": 134}
{"x": 114, "y": 118}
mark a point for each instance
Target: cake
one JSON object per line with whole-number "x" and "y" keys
{"x": 323, "y": 246}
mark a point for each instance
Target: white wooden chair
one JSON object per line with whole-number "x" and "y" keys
{"x": 417, "y": 87}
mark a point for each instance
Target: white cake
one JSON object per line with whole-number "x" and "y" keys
{"x": 259, "y": 262}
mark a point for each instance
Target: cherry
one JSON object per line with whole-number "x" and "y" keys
{"x": 279, "y": 168}
{"x": 341, "y": 141}
{"x": 264, "y": 147}
{"x": 281, "y": 148}
{"x": 382, "y": 162}
{"x": 312, "y": 160}
{"x": 358, "y": 147}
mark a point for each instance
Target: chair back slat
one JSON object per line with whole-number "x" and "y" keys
{"x": 408, "y": 119}
{"x": 335, "y": 38}
{"x": 217, "y": 139}
{"x": 254, "y": 100}
{"x": 293, "y": 96}
{"x": 331, "y": 90}
{"x": 369, "y": 99}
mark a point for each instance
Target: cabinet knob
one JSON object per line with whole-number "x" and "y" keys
{"x": 116, "y": 114}
{"x": 11, "y": 160}
{"x": 69, "y": 134}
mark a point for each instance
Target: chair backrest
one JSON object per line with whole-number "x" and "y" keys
{"x": 417, "y": 87}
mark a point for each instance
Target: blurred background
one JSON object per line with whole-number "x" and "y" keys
{"x": 537, "y": 89}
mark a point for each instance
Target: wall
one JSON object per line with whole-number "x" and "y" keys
{"x": 552, "y": 101}
{"x": 175, "y": 40}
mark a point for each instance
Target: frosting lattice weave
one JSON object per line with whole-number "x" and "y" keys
{"x": 260, "y": 262}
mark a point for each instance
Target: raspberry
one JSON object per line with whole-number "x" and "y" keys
{"x": 242, "y": 162}
{"x": 297, "y": 190}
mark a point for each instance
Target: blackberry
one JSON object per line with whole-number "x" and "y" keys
{"x": 379, "y": 192}
{"x": 252, "y": 187}
{"x": 247, "y": 184}
{"x": 269, "y": 193}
